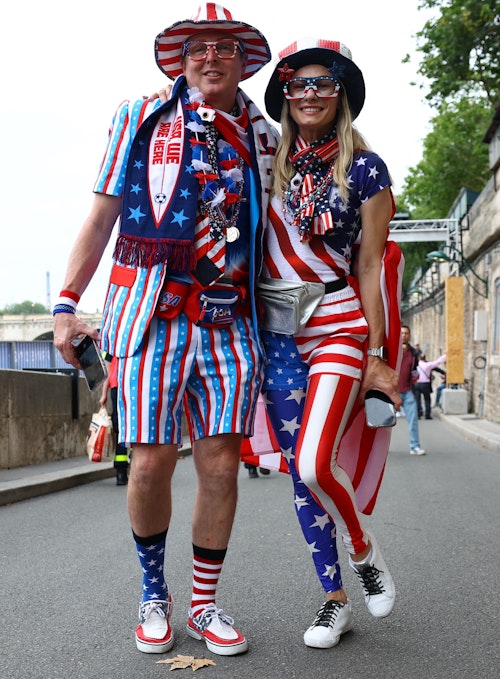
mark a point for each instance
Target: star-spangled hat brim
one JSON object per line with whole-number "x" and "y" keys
{"x": 313, "y": 51}
{"x": 169, "y": 43}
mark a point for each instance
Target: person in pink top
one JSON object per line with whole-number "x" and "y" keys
{"x": 423, "y": 385}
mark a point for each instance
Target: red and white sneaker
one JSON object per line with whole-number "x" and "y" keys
{"x": 216, "y": 628}
{"x": 154, "y": 633}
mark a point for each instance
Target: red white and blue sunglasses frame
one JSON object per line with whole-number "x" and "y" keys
{"x": 311, "y": 84}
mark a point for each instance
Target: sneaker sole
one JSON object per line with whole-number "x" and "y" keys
{"x": 219, "y": 649}
{"x": 152, "y": 646}
{"x": 385, "y": 611}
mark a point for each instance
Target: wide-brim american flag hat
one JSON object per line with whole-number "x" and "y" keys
{"x": 330, "y": 53}
{"x": 210, "y": 16}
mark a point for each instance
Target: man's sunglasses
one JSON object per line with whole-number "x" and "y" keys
{"x": 197, "y": 50}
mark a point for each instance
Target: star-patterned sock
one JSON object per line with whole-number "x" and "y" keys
{"x": 207, "y": 565}
{"x": 151, "y": 553}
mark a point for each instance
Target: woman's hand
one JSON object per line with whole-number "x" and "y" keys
{"x": 163, "y": 94}
{"x": 378, "y": 375}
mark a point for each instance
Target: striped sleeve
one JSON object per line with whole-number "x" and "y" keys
{"x": 126, "y": 120}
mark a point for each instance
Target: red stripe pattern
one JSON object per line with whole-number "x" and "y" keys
{"x": 362, "y": 451}
{"x": 205, "y": 578}
{"x": 210, "y": 16}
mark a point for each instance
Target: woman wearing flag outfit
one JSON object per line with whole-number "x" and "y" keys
{"x": 328, "y": 220}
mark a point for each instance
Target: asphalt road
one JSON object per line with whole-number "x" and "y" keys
{"x": 70, "y": 580}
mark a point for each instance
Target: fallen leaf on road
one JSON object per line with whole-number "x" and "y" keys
{"x": 182, "y": 662}
{"x": 202, "y": 662}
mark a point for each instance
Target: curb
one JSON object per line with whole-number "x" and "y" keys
{"x": 50, "y": 482}
{"x": 35, "y": 484}
{"x": 482, "y": 432}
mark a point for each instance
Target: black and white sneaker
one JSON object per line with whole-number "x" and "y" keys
{"x": 376, "y": 581}
{"x": 333, "y": 619}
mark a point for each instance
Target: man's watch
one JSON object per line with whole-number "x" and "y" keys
{"x": 381, "y": 352}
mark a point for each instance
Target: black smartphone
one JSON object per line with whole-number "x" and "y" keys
{"x": 94, "y": 368}
{"x": 379, "y": 408}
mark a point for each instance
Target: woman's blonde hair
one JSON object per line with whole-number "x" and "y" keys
{"x": 348, "y": 136}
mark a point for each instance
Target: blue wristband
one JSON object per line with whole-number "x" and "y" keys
{"x": 63, "y": 309}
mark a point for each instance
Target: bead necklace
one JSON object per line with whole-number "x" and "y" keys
{"x": 222, "y": 190}
{"x": 223, "y": 200}
{"x": 294, "y": 202}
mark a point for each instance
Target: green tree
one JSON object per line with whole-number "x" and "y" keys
{"x": 454, "y": 156}
{"x": 461, "y": 49}
{"x": 25, "y": 308}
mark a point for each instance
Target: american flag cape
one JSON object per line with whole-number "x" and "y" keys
{"x": 362, "y": 450}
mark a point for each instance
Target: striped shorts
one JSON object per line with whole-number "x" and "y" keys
{"x": 215, "y": 373}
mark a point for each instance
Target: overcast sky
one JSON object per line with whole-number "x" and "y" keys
{"x": 66, "y": 66}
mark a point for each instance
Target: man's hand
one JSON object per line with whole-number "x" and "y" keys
{"x": 67, "y": 327}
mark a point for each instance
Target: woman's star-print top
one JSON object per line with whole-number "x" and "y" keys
{"x": 324, "y": 258}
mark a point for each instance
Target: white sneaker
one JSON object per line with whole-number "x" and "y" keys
{"x": 376, "y": 581}
{"x": 333, "y": 619}
{"x": 154, "y": 633}
{"x": 417, "y": 451}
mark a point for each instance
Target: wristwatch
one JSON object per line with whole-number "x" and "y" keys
{"x": 381, "y": 352}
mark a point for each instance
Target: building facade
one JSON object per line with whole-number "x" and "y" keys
{"x": 466, "y": 326}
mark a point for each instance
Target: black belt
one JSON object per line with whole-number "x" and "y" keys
{"x": 334, "y": 286}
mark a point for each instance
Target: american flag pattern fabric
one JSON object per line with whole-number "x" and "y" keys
{"x": 134, "y": 290}
{"x": 330, "y": 257}
{"x": 330, "y": 364}
{"x": 285, "y": 410}
{"x": 151, "y": 558}
{"x": 214, "y": 17}
{"x": 214, "y": 373}
{"x": 206, "y": 573}
{"x": 362, "y": 451}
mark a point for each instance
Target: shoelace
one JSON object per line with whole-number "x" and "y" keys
{"x": 369, "y": 578}
{"x": 211, "y": 611}
{"x": 327, "y": 614}
{"x": 150, "y": 607}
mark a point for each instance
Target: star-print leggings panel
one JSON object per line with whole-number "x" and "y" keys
{"x": 316, "y": 525}
{"x": 332, "y": 389}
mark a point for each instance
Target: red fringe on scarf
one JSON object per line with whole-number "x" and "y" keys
{"x": 145, "y": 253}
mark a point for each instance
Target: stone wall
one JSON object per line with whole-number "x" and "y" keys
{"x": 427, "y": 318}
{"x": 37, "y": 422}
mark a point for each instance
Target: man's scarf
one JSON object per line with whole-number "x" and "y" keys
{"x": 315, "y": 163}
{"x": 161, "y": 190}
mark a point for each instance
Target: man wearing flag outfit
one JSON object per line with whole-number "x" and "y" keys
{"x": 189, "y": 180}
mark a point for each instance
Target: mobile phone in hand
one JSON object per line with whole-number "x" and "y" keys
{"x": 379, "y": 408}
{"x": 94, "y": 368}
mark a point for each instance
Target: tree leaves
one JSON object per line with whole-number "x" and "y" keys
{"x": 454, "y": 156}
{"x": 182, "y": 662}
{"x": 461, "y": 47}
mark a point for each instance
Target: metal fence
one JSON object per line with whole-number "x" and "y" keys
{"x": 30, "y": 355}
